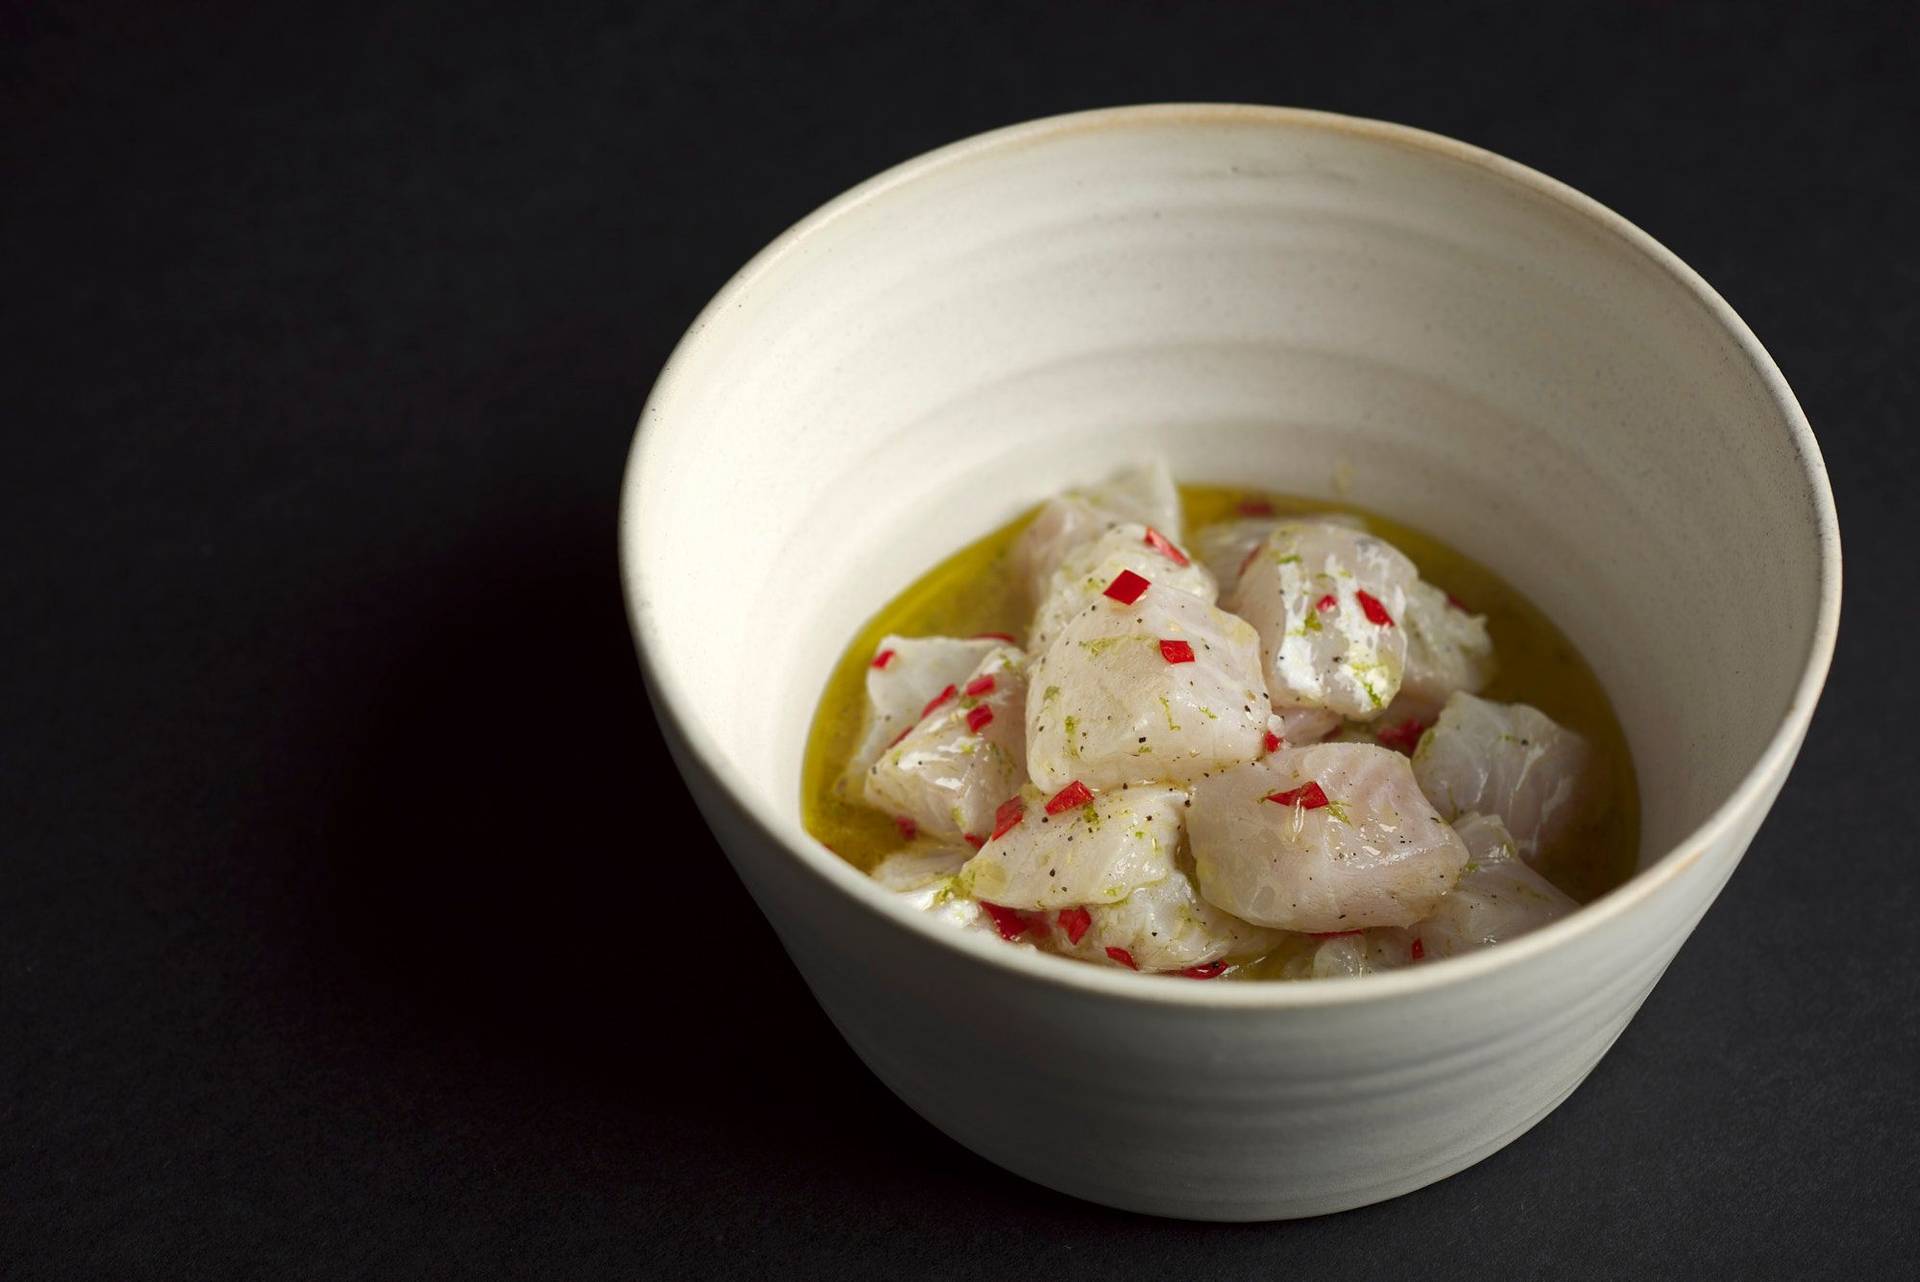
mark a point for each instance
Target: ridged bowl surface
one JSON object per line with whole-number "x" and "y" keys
{"x": 1278, "y": 298}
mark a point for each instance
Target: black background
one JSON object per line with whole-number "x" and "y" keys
{"x": 352, "y": 924}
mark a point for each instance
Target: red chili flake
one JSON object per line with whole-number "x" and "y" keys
{"x": 981, "y": 685}
{"x": 1207, "y": 970}
{"x": 1161, "y": 544}
{"x": 1255, "y": 507}
{"x": 1071, "y": 797}
{"x": 1075, "y": 922}
{"x": 1307, "y": 796}
{"x": 993, "y": 636}
{"x": 1404, "y": 737}
{"x": 1008, "y": 817}
{"x": 1010, "y": 923}
{"x": 973, "y": 839}
{"x": 1419, "y": 950}
{"x": 1456, "y": 602}
{"x": 1327, "y": 602}
{"x": 979, "y": 718}
{"x": 1334, "y": 934}
{"x": 1122, "y": 956}
{"x": 1176, "y": 652}
{"x": 882, "y": 659}
{"x": 938, "y": 700}
{"x": 1375, "y": 612}
{"x": 1126, "y": 587}
{"x": 1271, "y": 742}
{"x": 908, "y": 828}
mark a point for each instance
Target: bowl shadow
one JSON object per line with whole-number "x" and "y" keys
{"x": 517, "y": 873}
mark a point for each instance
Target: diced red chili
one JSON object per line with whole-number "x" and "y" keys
{"x": 1010, "y": 923}
{"x": 938, "y": 700}
{"x": 973, "y": 839}
{"x": 1404, "y": 737}
{"x": 1071, "y": 797}
{"x": 1271, "y": 742}
{"x": 1419, "y": 950}
{"x": 1122, "y": 956}
{"x": 1176, "y": 651}
{"x": 908, "y": 828}
{"x": 882, "y": 659}
{"x": 979, "y": 718}
{"x": 1327, "y": 602}
{"x": 1371, "y": 607}
{"x": 1126, "y": 587}
{"x": 1164, "y": 546}
{"x": 1075, "y": 922}
{"x": 1206, "y": 970}
{"x": 1255, "y": 507}
{"x": 1334, "y": 934}
{"x": 981, "y": 685}
{"x": 993, "y": 636}
{"x": 1008, "y": 816}
{"x": 1307, "y": 796}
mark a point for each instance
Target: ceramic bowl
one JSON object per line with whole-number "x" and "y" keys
{"x": 1267, "y": 297}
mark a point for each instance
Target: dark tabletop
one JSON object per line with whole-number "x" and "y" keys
{"x": 351, "y": 922}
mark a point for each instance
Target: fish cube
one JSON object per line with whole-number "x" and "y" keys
{"x": 903, "y": 677}
{"x": 1159, "y": 688}
{"x": 1084, "y": 574}
{"x": 1510, "y": 761}
{"x": 963, "y": 757}
{"x": 1448, "y": 649}
{"x": 1327, "y": 601}
{"x": 1163, "y": 926}
{"x": 1227, "y": 547}
{"x": 926, "y": 877}
{"x": 1077, "y": 847}
{"x": 1143, "y": 495}
{"x": 1328, "y": 838}
{"x": 1498, "y": 897}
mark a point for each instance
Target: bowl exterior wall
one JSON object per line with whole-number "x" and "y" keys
{"x": 1178, "y": 1111}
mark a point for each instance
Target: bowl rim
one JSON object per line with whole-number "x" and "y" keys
{"x": 672, "y": 706}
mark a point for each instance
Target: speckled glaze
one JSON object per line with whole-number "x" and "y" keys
{"x": 1279, "y": 298}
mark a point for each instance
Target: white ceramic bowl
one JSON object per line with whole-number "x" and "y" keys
{"x": 1269, "y": 297}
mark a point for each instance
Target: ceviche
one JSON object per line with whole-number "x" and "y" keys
{"x": 1213, "y": 733}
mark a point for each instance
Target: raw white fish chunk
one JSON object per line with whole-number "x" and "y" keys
{"x": 1448, "y": 649}
{"x": 1327, "y": 601}
{"x": 1096, "y": 851}
{"x": 1328, "y": 838}
{"x": 1164, "y": 926}
{"x": 962, "y": 758}
{"x": 926, "y": 877}
{"x": 1510, "y": 761}
{"x": 1302, "y": 727}
{"x": 919, "y": 866}
{"x": 1086, "y": 571}
{"x": 1115, "y": 700}
{"x": 1142, "y": 495}
{"x": 1062, "y": 525}
{"x": 1366, "y": 953}
{"x": 1226, "y": 547}
{"x": 914, "y": 670}
{"x": 1144, "y": 492}
{"x": 1497, "y": 898}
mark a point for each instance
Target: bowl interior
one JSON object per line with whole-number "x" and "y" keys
{"x": 1296, "y": 301}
